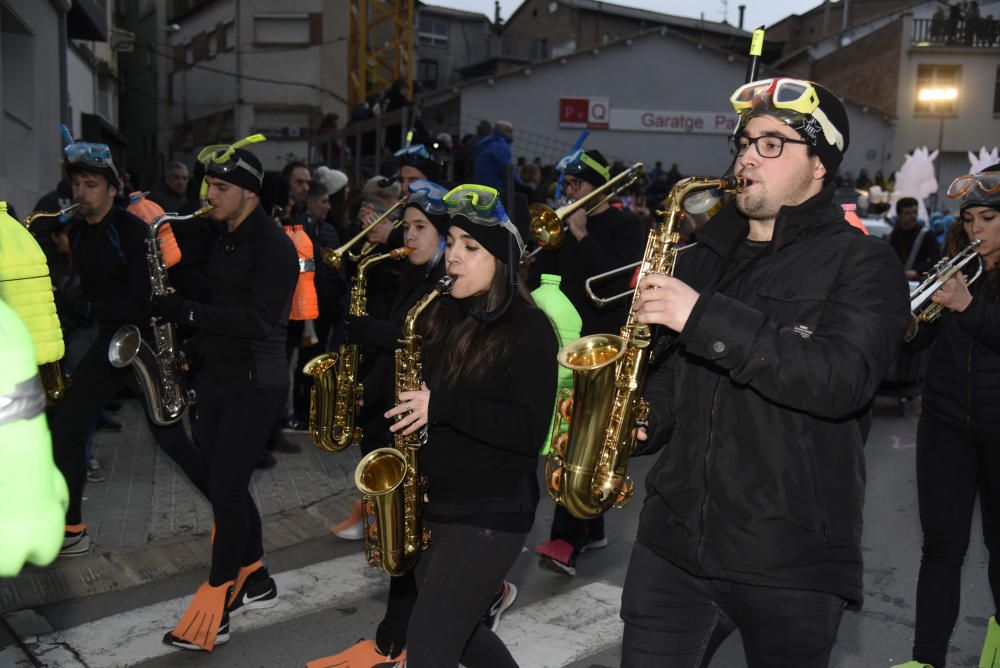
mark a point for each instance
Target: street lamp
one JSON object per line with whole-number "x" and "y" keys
{"x": 935, "y": 96}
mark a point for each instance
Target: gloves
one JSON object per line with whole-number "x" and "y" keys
{"x": 169, "y": 307}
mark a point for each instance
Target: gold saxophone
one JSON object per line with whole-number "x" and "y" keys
{"x": 389, "y": 478}
{"x": 158, "y": 370}
{"x": 333, "y": 400}
{"x": 32, "y": 217}
{"x": 586, "y": 473}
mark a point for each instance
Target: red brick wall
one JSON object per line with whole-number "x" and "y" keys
{"x": 867, "y": 71}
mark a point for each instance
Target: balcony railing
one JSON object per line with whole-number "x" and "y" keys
{"x": 970, "y": 32}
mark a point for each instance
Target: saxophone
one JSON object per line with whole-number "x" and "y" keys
{"x": 158, "y": 371}
{"x": 333, "y": 400}
{"x": 389, "y": 478}
{"x": 586, "y": 473}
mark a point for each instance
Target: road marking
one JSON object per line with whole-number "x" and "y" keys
{"x": 546, "y": 634}
{"x": 565, "y": 628}
{"x": 135, "y": 636}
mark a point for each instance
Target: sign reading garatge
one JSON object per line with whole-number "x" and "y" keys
{"x": 689, "y": 122}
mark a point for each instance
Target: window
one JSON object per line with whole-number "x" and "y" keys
{"x": 281, "y": 29}
{"x": 937, "y": 89}
{"x": 227, "y": 36}
{"x": 427, "y": 74}
{"x": 540, "y": 48}
{"x": 996, "y": 93}
{"x": 213, "y": 44}
{"x": 433, "y": 30}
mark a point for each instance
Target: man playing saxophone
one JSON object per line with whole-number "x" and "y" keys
{"x": 242, "y": 385}
{"x": 780, "y": 323}
{"x": 108, "y": 248}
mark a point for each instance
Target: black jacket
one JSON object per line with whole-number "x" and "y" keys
{"x": 615, "y": 238}
{"x": 252, "y": 275}
{"x": 902, "y": 242}
{"x": 484, "y": 434}
{"x": 114, "y": 275}
{"x": 765, "y": 400}
{"x": 963, "y": 375}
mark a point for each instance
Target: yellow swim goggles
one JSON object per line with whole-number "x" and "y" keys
{"x": 789, "y": 95}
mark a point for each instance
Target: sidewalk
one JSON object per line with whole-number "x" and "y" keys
{"x": 147, "y": 522}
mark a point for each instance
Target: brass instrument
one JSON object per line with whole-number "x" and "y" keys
{"x": 334, "y": 257}
{"x": 158, "y": 372}
{"x": 333, "y": 400}
{"x": 32, "y": 217}
{"x": 389, "y": 478}
{"x": 548, "y": 226}
{"x": 922, "y": 309}
{"x": 54, "y": 381}
{"x": 587, "y": 473}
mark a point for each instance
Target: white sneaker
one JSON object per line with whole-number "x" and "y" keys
{"x": 354, "y": 531}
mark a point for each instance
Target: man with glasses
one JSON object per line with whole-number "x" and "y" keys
{"x": 607, "y": 238}
{"x": 108, "y": 245}
{"x": 242, "y": 385}
{"x": 778, "y": 326}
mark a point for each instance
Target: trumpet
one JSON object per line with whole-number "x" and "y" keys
{"x": 334, "y": 257}
{"x": 548, "y": 226}
{"x": 922, "y": 309}
{"x": 32, "y": 217}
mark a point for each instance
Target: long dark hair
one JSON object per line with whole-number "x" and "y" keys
{"x": 468, "y": 345}
{"x": 955, "y": 239}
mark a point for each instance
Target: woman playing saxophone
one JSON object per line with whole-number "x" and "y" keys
{"x": 490, "y": 378}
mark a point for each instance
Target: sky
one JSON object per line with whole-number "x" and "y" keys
{"x": 767, "y": 12}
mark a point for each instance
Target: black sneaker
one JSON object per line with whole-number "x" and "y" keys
{"x": 294, "y": 424}
{"x": 257, "y": 593}
{"x": 221, "y": 637}
{"x": 504, "y": 599}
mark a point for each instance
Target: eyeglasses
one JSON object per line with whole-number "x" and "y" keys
{"x": 414, "y": 151}
{"x": 428, "y": 196}
{"x": 790, "y": 95}
{"x": 988, "y": 182}
{"x": 481, "y": 205}
{"x": 572, "y": 184}
{"x": 219, "y": 158}
{"x": 768, "y": 146}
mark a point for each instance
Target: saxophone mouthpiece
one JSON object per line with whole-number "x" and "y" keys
{"x": 397, "y": 253}
{"x": 444, "y": 285}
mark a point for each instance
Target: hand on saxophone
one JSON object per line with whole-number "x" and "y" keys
{"x": 664, "y": 300}
{"x": 954, "y": 295}
{"x": 413, "y": 407}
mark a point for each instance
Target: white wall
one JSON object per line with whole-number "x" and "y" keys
{"x": 29, "y": 89}
{"x": 656, "y": 72}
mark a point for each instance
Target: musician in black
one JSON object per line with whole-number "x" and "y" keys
{"x": 108, "y": 245}
{"x": 779, "y": 326}
{"x": 959, "y": 429}
{"x": 605, "y": 239}
{"x": 242, "y": 385}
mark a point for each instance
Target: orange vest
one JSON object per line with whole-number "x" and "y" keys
{"x": 305, "y": 305}
{"x": 149, "y": 211}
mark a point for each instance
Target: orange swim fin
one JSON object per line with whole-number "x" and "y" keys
{"x": 205, "y": 624}
{"x": 362, "y": 655}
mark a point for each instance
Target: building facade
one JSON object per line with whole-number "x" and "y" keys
{"x": 674, "y": 114}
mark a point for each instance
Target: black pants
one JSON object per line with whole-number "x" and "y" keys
{"x": 457, "y": 578}
{"x": 95, "y": 383}
{"x": 575, "y": 531}
{"x": 233, "y": 426}
{"x": 673, "y": 618}
{"x": 953, "y": 464}
{"x": 391, "y": 634}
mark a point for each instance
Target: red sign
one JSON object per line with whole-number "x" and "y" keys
{"x": 584, "y": 112}
{"x": 573, "y": 112}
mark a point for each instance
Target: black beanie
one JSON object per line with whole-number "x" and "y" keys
{"x": 494, "y": 238}
{"x": 440, "y": 221}
{"x": 583, "y": 171}
{"x": 431, "y": 169}
{"x": 239, "y": 176}
{"x": 976, "y": 197}
{"x": 809, "y": 127}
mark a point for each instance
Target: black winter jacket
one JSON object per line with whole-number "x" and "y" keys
{"x": 765, "y": 398}
{"x": 963, "y": 376}
{"x": 252, "y": 275}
